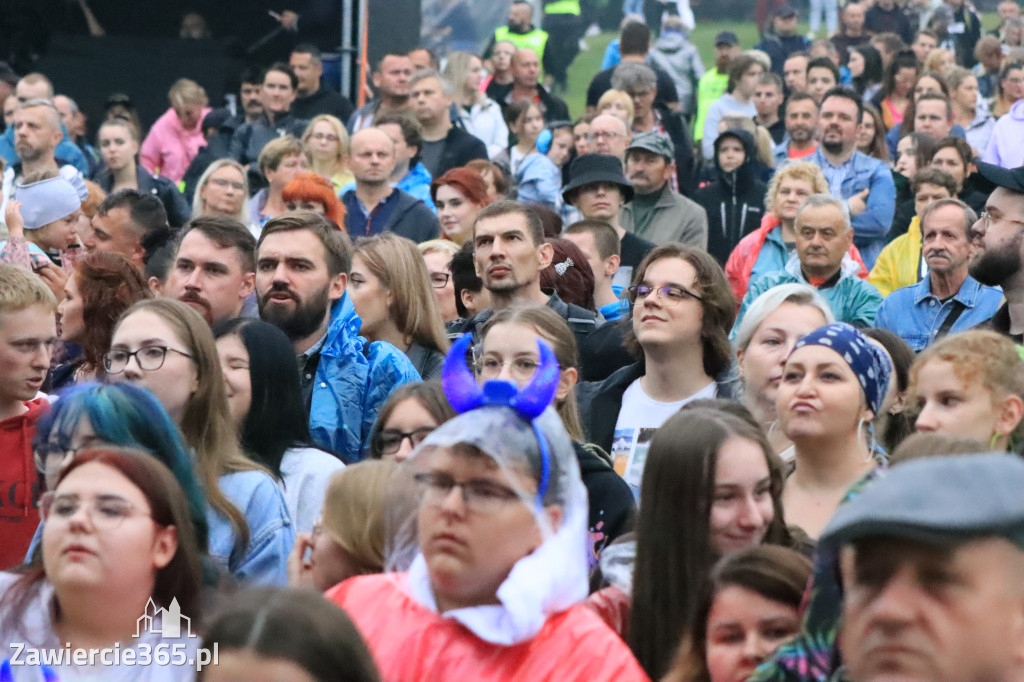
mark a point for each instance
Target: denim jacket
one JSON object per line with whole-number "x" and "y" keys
{"x": 271, "y": 534}
{"x": 861, "y": 172}
{"x": 914, "y": 314}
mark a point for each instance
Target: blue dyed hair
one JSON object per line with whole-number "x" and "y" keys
{"x": 122, "y": 414}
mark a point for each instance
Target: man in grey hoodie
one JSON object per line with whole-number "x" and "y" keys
{"x": 674, "y": 54}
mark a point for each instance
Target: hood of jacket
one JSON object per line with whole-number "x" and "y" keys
{"x": 671, "y": 41}
{"x": 745, "y": 171}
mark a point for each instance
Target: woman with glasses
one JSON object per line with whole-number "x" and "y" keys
{"x": 122, "y": 415}
{"x": 265, "y": 401}
{"x": 508, "y": 350}
{"x": 350, "y": 538}
{"x": 326, "y": 143}
{"x": 391, "y": 292}
{"x": 499, "y": 541}
{"x": 167, "y": 347}
{"x": 101, "y": 287}
{"x": 460, "y": 194}
{"x": 437, "y": 255}
{"x": 410, "y": 414}
{"x": 119, "y": 146}
{"x": 117, "y": 546}
{"x": 223, "y": 188}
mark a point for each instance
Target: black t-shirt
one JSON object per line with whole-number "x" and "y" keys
{"x": 602, "y": 83}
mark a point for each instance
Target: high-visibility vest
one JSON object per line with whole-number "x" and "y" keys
{"x": 535, "y": 40}
{"x": 563, "y": 7}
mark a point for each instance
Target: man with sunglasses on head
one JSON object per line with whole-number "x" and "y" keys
{"x": 823, "y": 238}
{"x": 998, "y": 258}
{"x": 678, "y": 330}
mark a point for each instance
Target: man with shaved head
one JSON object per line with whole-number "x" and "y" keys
{"x": 525, "y": 74}
{"x": 374, "y": 206}
{"x": 37, "y": 87}
{"x": 609, "y": 135}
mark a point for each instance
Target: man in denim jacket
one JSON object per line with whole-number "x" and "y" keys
{"x": 864, "y": 182}
{"x": 947, "y": 300}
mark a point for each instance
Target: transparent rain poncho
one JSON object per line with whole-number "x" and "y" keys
{"x": 522, "y": 434}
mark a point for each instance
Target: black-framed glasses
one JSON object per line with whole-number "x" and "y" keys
{"x": 439, "y": 280}
{"x": 389, "y": 441}
{"x": 669, "y": 294}
{"x": 150, "y": 358}
{"x": 478, "y": 495}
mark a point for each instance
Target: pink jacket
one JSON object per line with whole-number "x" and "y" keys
{"x": 169, "y": 148}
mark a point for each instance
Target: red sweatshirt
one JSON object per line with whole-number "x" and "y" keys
{"x": 19, "y": 484}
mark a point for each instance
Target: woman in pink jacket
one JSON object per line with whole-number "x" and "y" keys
{"x": 176, "y": 137}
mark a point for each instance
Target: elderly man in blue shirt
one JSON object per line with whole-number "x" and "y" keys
{"x": 865, "y": 183}
{"x": 948, "y": 299}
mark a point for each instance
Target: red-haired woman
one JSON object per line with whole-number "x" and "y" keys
{"x": 312, "y": 192}
{"x": 459, "y": 195}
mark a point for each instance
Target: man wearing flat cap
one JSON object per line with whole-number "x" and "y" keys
{"x": 657, "y": 213}
{"x": 932, "y": 565}
{"x": 998, "y": 258}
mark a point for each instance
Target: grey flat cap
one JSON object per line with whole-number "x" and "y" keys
{"x": 939, "y": 501}
{"x": 656, "y": 143}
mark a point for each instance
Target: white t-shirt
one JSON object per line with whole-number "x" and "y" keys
{"x": 306, "y": 473}
{"x": 639, "y": 417}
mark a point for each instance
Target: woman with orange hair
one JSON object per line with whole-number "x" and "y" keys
{"x": 459, "y": 195}
{"x": 312, "y": 192}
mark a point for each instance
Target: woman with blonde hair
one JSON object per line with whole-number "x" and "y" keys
{"x": 175, "y": 138}
{"x": 969, "y": 385}
{"x": 768, "y": 248}
{"x": 437, "y": 255}
{"x": 351, "y": 536}
{"x": 391, "y": 292}
{"x": 480, "y": 115}
{"x": 326, "y": 143}
{"x": 223, "y": 188}
{"x": 165, "y": 346}
{"x": 617, "y": 103}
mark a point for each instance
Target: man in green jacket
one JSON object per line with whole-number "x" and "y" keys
{"x": 715, "y": 82}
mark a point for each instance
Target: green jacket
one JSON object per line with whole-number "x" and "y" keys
{"x": 710, "y": 87}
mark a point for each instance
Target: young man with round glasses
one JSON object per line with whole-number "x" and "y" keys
{"x": 681, "y": 310}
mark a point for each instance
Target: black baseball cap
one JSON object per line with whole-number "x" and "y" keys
{"x": 1007, "y": 178}
{"x": 726, "y": 38}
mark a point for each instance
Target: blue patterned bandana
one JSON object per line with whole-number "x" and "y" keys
{"x": 869, "y": 363}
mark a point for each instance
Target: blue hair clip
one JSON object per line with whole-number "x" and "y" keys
{"x": 464, "y": 394}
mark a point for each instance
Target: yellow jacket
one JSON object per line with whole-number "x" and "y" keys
{"x": 899, "y": 264}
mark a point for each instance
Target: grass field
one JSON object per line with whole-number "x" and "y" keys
{"x": 589, "y": 63}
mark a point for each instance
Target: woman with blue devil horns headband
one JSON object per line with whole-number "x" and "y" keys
{"x": 499, "y": 548}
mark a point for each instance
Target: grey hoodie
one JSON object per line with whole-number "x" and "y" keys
{"x": 674, "y": 54}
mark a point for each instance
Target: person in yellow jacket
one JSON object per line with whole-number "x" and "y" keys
{"x": 562, "y": 18}
{"x": 715, "y": 82}
{"x": 520, "y": 31}
{"x": 900, "y": 264}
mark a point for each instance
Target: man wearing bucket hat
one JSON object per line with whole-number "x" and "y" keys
{"x": 931, "y": 558}
{"x": 598, "y": 189}
{"x": 998, "y": 258}
{"x": 657, "y": 213}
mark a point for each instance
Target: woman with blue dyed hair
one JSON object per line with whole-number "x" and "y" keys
{"x": 118, "y": 414}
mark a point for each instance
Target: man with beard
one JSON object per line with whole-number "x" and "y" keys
{"x": 302, "y": 267}
{"x": 948, "y": 300}
{"x": 214, "y": 270}
{"x": 863, "y": 182}
{"x": 998, "y": 239}
{"x": 801, "y": 120}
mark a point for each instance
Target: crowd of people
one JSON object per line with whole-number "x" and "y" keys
{"x": 721, "y": 379}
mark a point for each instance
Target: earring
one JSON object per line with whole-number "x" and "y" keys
{"x": 992, "y": 441}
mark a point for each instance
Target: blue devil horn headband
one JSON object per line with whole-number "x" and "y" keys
{"x": 464, "y": 394}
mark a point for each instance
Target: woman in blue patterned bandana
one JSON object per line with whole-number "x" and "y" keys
{"x": 833, "y": 385}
